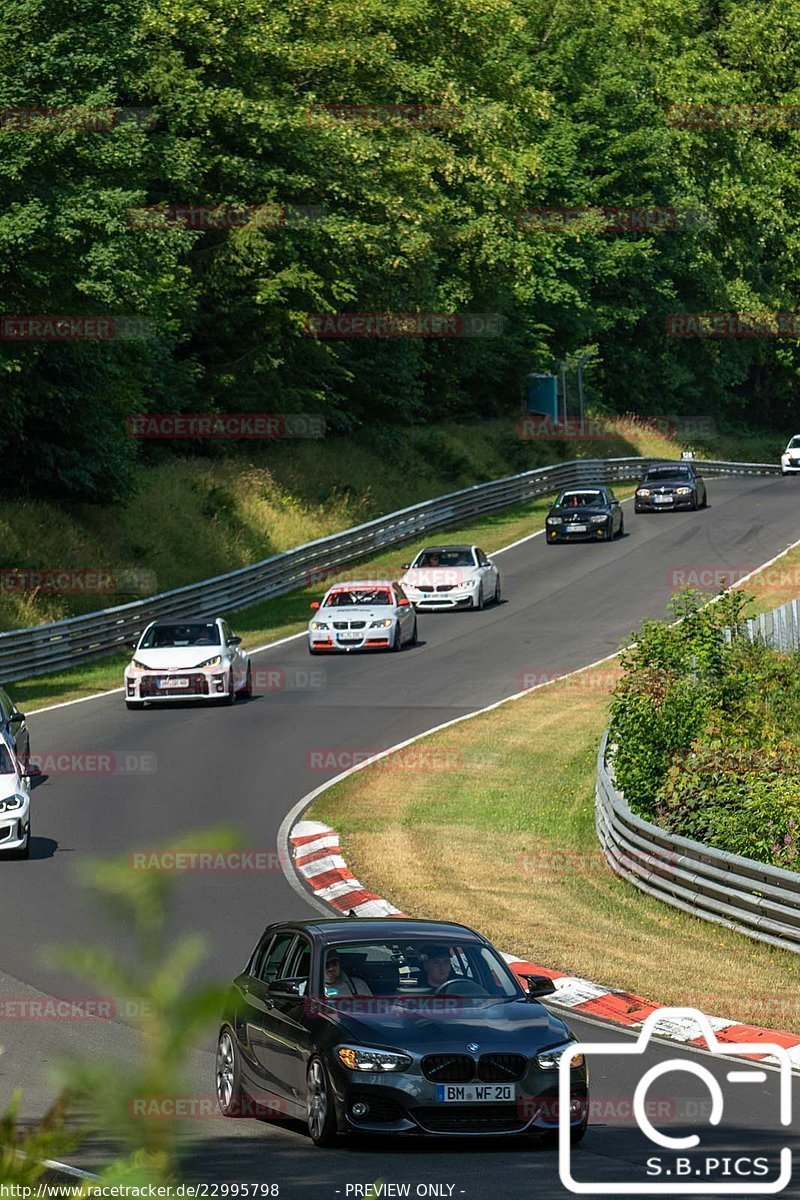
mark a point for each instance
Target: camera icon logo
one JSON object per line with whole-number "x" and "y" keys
{"x": 699, "y": 1177}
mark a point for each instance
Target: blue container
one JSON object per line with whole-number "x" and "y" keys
{"x": 541, "y": 395}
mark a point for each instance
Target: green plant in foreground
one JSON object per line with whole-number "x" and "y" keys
{"x": 127, "y": 1103}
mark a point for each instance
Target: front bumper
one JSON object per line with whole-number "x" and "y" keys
{"x": 648, "y": 504}
{"x": 15, "y": 828}
{"x": 375, "y": 639}
{"x": 592, "y": 533}
{"x": 408, "y": 1104}
{"x": 441, "y": 601}
{"x": 790, "y": 468}
{"x": 198, "y": 685}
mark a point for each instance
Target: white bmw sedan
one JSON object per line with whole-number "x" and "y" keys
{"x": 444, "y": 577}
{"x": 790, "y": 459}
{"x": 194, "y": 659}
{"x": 15, "y": 804}
{"x": 362, "y": 616}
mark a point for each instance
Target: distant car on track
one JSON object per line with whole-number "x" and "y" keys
{"x": 15, "y": 803}
{"x": 393, "y": 1027}
{"x": 446, "y": 577}
{"x": 190, "y": 659}
{"x": 790, "y": 459}
{"x": 669, "y": 486}
{"x": 589, "y": 513}
{"x": 362, "y": 616}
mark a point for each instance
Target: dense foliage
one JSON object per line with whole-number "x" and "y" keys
{"x": 549, "y": 105}
{"x": 707, "y": 733}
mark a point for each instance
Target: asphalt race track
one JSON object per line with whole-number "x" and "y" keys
{"x": 564, "y": 607}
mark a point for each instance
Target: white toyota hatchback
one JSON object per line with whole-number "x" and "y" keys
{"x": 190, "y": 659}
{"x": 790, "y": 459}
{"x": 362, "y": 616}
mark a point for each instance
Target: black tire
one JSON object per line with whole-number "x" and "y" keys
{"x": 479, "y": 604}
{"x": 551, "y": 541}
{"x": 414, "y": 634}
{"x": 705, "y": 500}
{"x": 231, "y": 1098}
{"x": 230, "y": 698}
{"x": 621, "y": 532}
{"x": 247, "y": 691}
{"x": 320, "y": 1109}
{"x": 134, "y": 705}
{"x": 498, "y": 594}
{"x": 397, "y": 642}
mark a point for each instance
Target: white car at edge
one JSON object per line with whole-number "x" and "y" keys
{"x": 363, "y": 615}
{"x": 15, "y": 804}
{"x": 446, "y": 577}
{"x": 790, "y": 459}
{"x": 195, "y": 658}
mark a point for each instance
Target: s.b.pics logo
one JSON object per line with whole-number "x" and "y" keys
{"x": 736, "y": 1151}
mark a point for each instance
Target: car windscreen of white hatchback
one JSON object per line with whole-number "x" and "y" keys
{"x": 195, "y": 634}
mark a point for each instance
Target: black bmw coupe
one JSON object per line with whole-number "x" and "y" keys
{"x": 668, "y": 486}
{"x": 393, "y": 1026}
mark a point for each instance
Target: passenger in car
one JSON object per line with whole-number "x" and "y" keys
{"x": 338, "y": 982}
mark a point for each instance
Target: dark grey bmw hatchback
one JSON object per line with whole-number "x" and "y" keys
{"x": 393, "y": 1026}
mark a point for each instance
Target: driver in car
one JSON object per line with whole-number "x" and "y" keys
{"x": 437, "y": 967}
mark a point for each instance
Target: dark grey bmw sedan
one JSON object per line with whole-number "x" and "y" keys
{"x": 393, "y": 1026}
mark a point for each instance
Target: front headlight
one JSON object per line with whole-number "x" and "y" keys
{"x": 643, "y": 491}
{"x": 359, "y": 1059}
{"x": 598, "y": 520}
{"x": 318, "y": 625}
{"x": 549, "y": 1060}
{"x": 555, "y": 520}
{"x": 11, "y": 803}
{"x": 210, "y": 662}
{"x": 683, "y": 492}
{"x": 386, "y": 623}
{"x": 139, "y": 665}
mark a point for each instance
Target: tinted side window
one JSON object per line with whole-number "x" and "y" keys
{"x": 482, "y": 559}
{"x": 297, "y": 965}
{"x": 271, "y": 962}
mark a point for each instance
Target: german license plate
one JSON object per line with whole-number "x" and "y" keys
{"x": 476, "y": 1093}
{"x": 577, "y": 528}
{"x": 663, "y": 499}
{"x": 351, "y": 637}
{"x": 173, "y": 683}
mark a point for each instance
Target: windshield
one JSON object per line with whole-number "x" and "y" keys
{"x": 668, "y": 473}
{"x": 205, "y": 634}
{"x": 794, "y": 444}
{"x": 357, "y": 596}
{"x": 400, "y": 969}
{"x": 444, "y": 558}
{"x": 6, "y": 762}
{"x": 579, "y": 499}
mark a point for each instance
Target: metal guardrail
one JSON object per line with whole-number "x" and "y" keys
{"x": 756, "y": 899}
{"x": 61, "y": 644}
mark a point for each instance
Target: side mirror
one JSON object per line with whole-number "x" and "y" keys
{"x": 33, "y": 770}
{"x": 314, "y": 605}
{"x": 538, "y": 986}
{"x": 404, "y": 603}
{"x": 234, "y": 641}
{"x": 405, "y": 566}
{"x": 131, "y": 645}
{"x": 17, "y": 717}
{"x": 289, "y": 989}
